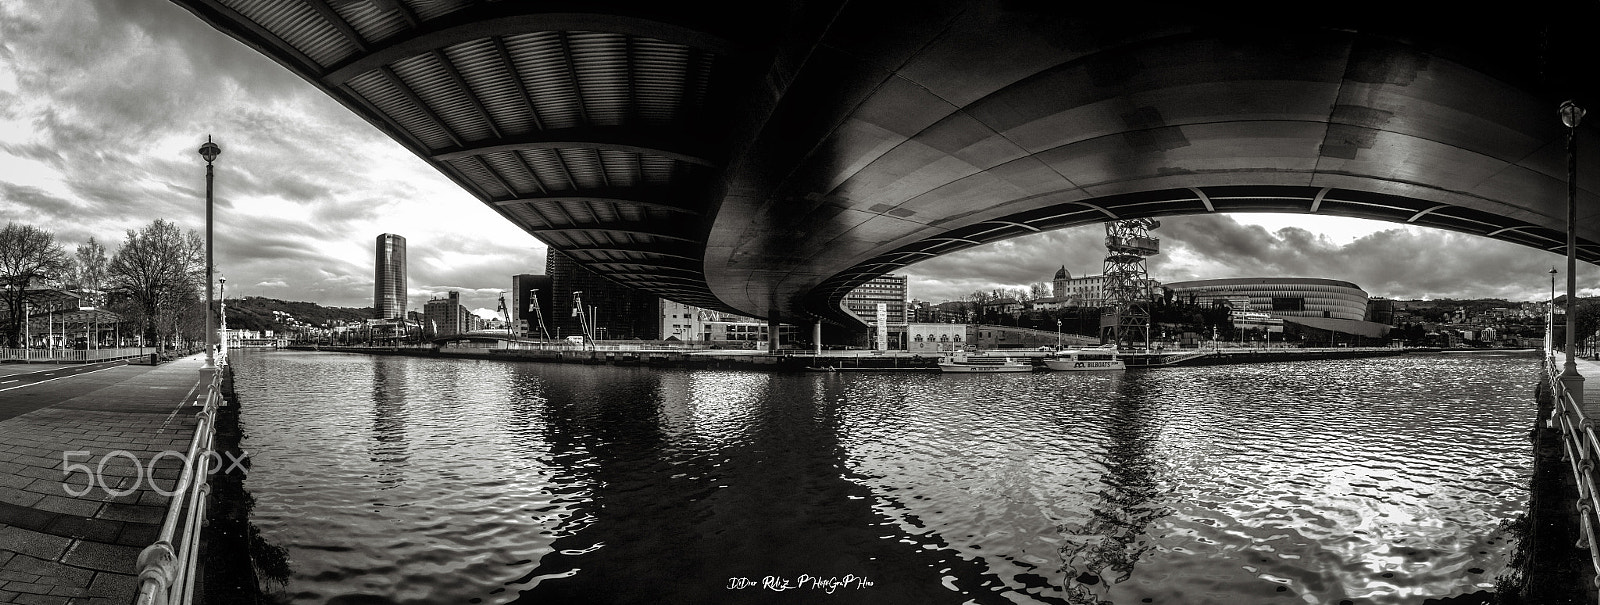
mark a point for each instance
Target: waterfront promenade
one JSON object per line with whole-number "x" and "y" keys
{"x": 71, "y": 534}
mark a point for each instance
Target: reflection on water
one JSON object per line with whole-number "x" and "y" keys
{"x": 388, "y": 444}
{"x": 428, "y": 480}
{"x": 1104, "y": 550}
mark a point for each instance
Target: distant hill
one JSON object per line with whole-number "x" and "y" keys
{"x": 255, "y": 313}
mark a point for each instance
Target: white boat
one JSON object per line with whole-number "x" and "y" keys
{"x": 983, "y": 364}
{"x": 1086, "y": 360}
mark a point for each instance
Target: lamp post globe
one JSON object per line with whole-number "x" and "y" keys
{"x": 210, "y": 150}
{"x": 1571, "y": 113}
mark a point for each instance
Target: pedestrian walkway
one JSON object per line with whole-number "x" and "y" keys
{"x": 78, "y": 457}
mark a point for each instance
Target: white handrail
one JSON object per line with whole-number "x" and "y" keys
{"x": 1581, "y": 448}
{"x": 167, "y": 576}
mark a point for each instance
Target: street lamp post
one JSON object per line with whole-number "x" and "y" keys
{"x": 1058, "y": 334}
{"x": 1550, "y": 320}
{"x": 222, "y": 315}
{"x": 209, "y": 151}
{"x": 1571, "y": 115}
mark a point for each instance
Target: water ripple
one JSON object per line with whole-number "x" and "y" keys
{"x": 423, "y": 480}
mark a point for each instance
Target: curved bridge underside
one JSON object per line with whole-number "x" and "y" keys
{"x": 768, "y": 160}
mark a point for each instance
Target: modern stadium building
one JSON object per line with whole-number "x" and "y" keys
{"x": 1323, "y": 304}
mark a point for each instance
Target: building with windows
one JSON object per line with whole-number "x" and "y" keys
{"x": 617, "y": 312}
{"x": 936, "y": 337}
{"x": 1279, "y": 296}
{"x": 891, "y": 291}
{"x": 532, "y": 307}
{"x": 1085, "y": 291}
{"x": 1253, "y": 320}
{"x": 888, "y": 289}
{"x": 688, "y": 323}
{"x": 447, "y": 316}
{"x": 1381, "y": 310}
{"x": 749, "y": 333}
{"x": 1003, "y": 306}
{"x": 389, "y": 278}
{"x": 1324, "y": 305}
{"x": 681, "y": 322}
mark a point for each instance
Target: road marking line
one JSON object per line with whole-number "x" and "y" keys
{"x": 6, "y": 381}
{"x": 181, "y": 405}
{"x": 56, "y": 378}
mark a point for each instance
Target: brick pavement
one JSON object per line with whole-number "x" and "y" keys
{"x": 62, "y": 541}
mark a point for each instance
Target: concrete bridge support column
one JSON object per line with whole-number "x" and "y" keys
{"x": 772, "y": 335}
{"x": 816, "y": 336}
{"x": 1572, "y": 382}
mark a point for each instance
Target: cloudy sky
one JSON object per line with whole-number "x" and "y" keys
{"x": 103, "y": 104}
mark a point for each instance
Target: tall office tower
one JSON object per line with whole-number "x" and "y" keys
{"x": 619, "y": 313}
{"x": 532, "y": 314}
{"x": 889, "y": 289}
{"x": 389, "y": 278}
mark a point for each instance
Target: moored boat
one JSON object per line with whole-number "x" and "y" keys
{"x": 1085, "y": 360}
{"x": 983, "y": 364}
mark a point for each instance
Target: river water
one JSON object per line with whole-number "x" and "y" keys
{"x": 408, "y": 480}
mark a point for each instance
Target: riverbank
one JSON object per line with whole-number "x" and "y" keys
{"x": 843, "y": 361}
{"x": 1552, "y": 569}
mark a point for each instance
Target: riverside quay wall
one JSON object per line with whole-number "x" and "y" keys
{"x": 844, "y": 361}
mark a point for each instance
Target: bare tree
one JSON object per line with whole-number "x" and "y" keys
{"x": 89, "y": 275}
{"x": 154, "y": 268}
{"x": 1586, "y": 320}
{"x": 89, "y": 265}
{"x": 1038, "y": 290}
{"x": 28, "y": 257}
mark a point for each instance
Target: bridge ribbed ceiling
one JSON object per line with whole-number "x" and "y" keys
{"x": 767, "y": 158}
{"x": 573, "y": 125}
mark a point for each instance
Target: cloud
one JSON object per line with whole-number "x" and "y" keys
{"x": 106, "y": 101}
{"x": 1397, "y": 261}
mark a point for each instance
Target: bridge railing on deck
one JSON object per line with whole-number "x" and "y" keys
{"x": 1581, "y": 449}
{"x": 167, "y": 568}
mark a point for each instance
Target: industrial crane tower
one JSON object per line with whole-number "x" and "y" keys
{"x": 1128, "y": 292}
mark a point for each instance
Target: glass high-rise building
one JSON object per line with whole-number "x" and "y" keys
{"x": 620, "y": 312}
{"x": 532, "y": 299}
{"x": 389, "y": 278}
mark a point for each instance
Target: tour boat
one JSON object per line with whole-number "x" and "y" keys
{"x": 1085, "y": 360}
{"x": 983, "y": 364}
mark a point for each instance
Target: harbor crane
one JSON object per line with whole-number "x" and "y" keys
{"x": 538, "y": 313}
{"x": 505, "y": 316}
{"x": 1128, "y": 289}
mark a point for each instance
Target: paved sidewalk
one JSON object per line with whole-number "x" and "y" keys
{"x": 61, "y": 539}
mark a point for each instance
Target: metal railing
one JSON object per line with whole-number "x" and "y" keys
{"x": 59, "y": 355}
{"x": 167, "y": 567}
{"x": 1580, "y": 447}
